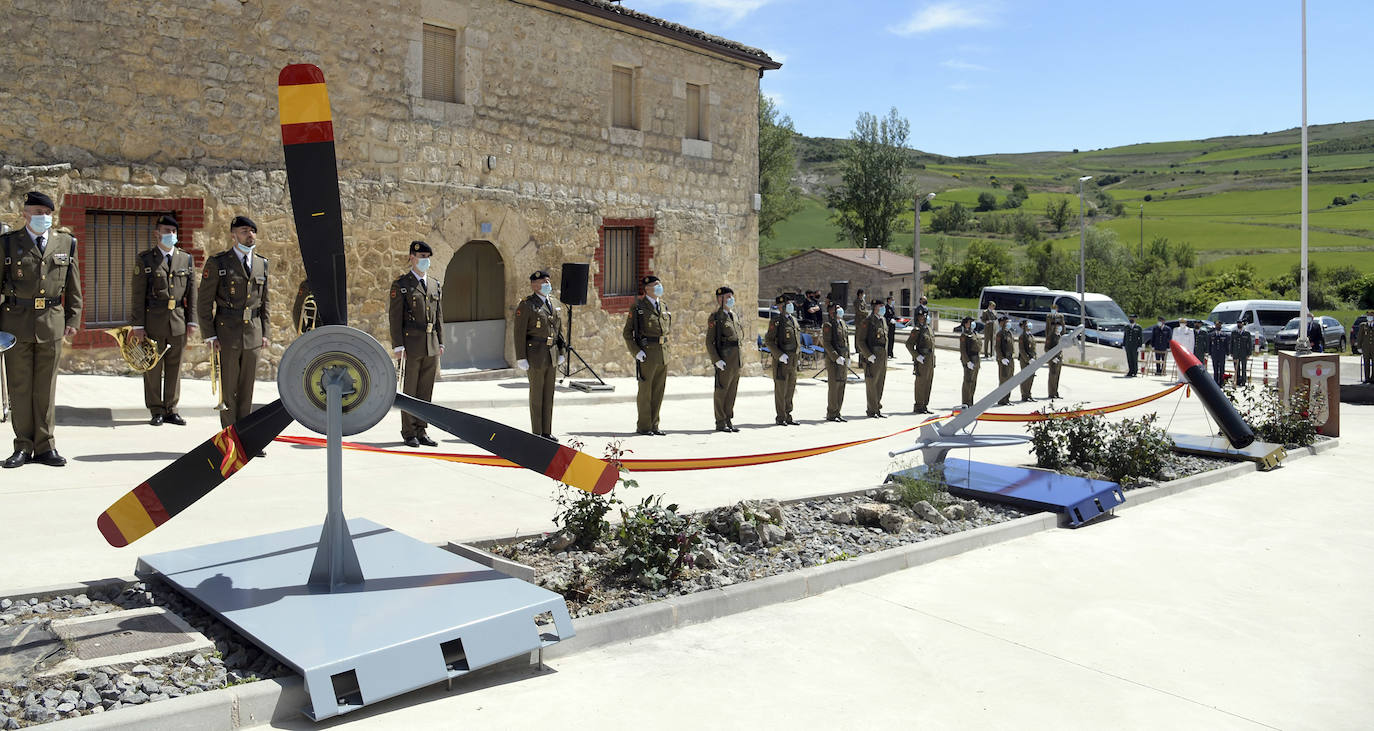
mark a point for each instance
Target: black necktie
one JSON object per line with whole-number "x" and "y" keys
{"x": 39, "y": 241}
{"x": 247, "y": 266}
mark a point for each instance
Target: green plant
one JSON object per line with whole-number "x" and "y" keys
{"x": 1271, "y": 419}
{"x": 1137, "y": 448}
{"x": 583, "y": 514}
{"x": 656, "y": 542}
{"x": 1085, "y": 439}
{"x": 929, "y": 486}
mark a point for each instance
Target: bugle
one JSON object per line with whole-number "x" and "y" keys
{"x": 401, "y": 371}
{"x": 216, "y": 378}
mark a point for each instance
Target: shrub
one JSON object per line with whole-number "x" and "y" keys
{"x": 928, "y": 486}
{"x": 1270, "y": 419}
{"x": 1137, "y": 448}
{"x": 656, "y": 541}
{"x": 583, "y": 514}
{"x": 1131, "y": 448}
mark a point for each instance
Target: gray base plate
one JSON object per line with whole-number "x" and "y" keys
{"x": 422, "y": 615}
{"x": 1266, "y": 454}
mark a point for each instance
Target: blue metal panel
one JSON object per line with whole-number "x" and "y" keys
{"x": 1079, "y": 499}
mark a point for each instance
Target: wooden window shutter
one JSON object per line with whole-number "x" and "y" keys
{"x": 693, "y": 112}
{"x": 622, "y": 97}
{"x": 440, "y": 63}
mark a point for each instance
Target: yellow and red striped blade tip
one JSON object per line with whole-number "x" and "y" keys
{"x": 131, "y": 517}
{"x": 582, "y": 471}
{"x": 303, "y": 105}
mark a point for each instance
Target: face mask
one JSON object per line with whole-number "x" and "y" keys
{"x": 789, "y": 309}
{"x": 881, "y": 310}
{"x": 41, "y": 223}
{"x": 545, "y": 289}
{"x": 422, "y": 265}
{"x": 658, "y": 290}
{"x": 839, "y": 313}
{"x": 169, "y": 240}
{"x": 245, "y": 250}
{"x": 729, "y": 303}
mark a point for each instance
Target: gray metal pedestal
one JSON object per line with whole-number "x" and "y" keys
{"x": 421, "y": 616}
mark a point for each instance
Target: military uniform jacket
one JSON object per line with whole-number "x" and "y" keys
{"x": 969, "y": 350}
{"x": 1006, "y": 345}
{"x": 870, "y": 337}
{"x": 1132, "y": 339}
{"x": 231, "y": 303}
{"x": 835, "y": 338}
{"x": 784, "y": 337}
{"x": 646, "y": 324}
{"x": 921, "y": 342}
{"x": 414, "y": 316}
{"x": 1160, "y": 338}
{"x": 723, "y": 336}
{"x": 1242, "y": 344}
{"x": 1026, "y": 348}
{"x": 1366, "y": 337}
{"x": 537, "y": 330}
{"x": 1054, "y": 329}
{"x": 988, "y": 318}
{"x": 163, "y": 295}
{"x": 1220, "y": 347}
{"x": 29, "y": 275}
{"x": 1201, "y": 340}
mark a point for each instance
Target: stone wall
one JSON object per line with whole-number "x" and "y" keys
{"x": 816, "y": 270}
{"x": 176, "y": 99}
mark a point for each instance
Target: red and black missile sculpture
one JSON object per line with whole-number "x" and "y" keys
{"x": 1232, "y": 425}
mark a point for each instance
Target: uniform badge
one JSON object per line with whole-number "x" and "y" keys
{"x": 60, "y": 258}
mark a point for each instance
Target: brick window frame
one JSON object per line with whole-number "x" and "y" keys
{"x": 644, "y": 254}
{"x": 190, "y": 215}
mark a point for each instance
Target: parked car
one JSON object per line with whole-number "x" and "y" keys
{"x": 1333, "y": 335}
{"x": 1354, "y": 331}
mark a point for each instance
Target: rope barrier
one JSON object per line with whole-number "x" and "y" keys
{"x": 744, "y": 460}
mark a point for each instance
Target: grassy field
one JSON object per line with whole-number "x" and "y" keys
{"x": 1268, "y": 266}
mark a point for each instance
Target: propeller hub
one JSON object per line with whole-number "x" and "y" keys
{"x": 350, "y": 357}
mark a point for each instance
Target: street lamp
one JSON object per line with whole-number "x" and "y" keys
{"x": 916, "y": 256}
{"x": 1303, "y": 346}
{"x": 1082, "y": 269}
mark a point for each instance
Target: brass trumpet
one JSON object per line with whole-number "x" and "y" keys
{"x": 401, "y": 371}
{"x": 142, "y": 355}
{"x": 216, "y": 376}
{"x": 310, "y": 313}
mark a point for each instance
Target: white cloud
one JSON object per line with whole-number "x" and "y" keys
{"x": 955, "y": 63}
{"x": 960, "y": 86}
{"x": 943, "y": 16}
{"x": 726, "y": 11}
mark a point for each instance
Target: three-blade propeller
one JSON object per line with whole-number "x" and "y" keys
{"x": 307, "y": 133}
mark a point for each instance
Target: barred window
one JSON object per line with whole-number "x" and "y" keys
{"x": 623, "y": 97}
{"x": 621, "y": 262}
{"x": 440, "y": 52}
{"x": 113, "y": 240}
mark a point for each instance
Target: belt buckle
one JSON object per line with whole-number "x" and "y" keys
{"x": 550, "y": 340}
{"x": 40, "y": 303}
{"x": 171, "y": 304}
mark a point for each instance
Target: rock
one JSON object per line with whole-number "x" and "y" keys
{"x": 151, "y": 687}
{"x": 69, "y": 707}
{"x": 928, "y": 513}
{"x": 954, "y": 512}
{"x": 870, "y": 514}
{"x": 133, "y": 697}
{"x": 771, "y": 535}
{"x": 892, "y": 521}
{"x": 100, "y": 680}
{"x": 69, "y": 696}
{"x": 38, "y": 714}
{"x": 90, "y": 695}
{"x": 708, "y": 558}
{"x": 560, "y": 541}
{"x": 748, "y": 534}
{"x": 843, "y": 516}
{"x": 52, "y": 694}
{"x": 557, "y": 581}
{"x": 9, "y": 723}
{"x": 198, "y": 660}
{"x": 889, "y": 496}
{"x": 7, "y": 603}
{"x": 143, "y": 669}
{"x": 112, "y": 693}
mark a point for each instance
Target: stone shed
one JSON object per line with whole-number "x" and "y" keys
{"x": 873, "y": 270}
{"x": 512, "y": 135}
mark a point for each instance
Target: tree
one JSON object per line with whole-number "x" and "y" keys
{"x": 985, "y": 264}
{"x": 874, "y": 189}
{"x": 1048, "y": 267}
{"x": 951, "y": 219}
{"x": 1058, "y": 212}
{"x": 986, "y": 202}
{"x": 777, "y": 166}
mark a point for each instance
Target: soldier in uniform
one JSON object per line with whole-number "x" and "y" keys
{"x": 1131, "y": 340}
{"x": 890, "y": 317}
{"x": 1202, "y": 340}
{"x": 417, "y": 333}
{"x": 1160, "y": 337}
{"x": 1025, "y": 353}
{"x": 164, "y": 309}
{"x": 870, "y": 339}
{"x": 1242, "y": 345}
{"x": 923, "y": 306}
{"x": 536, "y": 332}
{"x": 860, "y": 306}
{"x": 724, "y": 333}
{"x": 784, "y": 340}
{"x": 39, "y": 274}
{"x": 231, "y": 307}
{"x": 646, "y": 333}
{"x": 835, "y": 340}
{"x": 1365, "y": 338}
{"x": 303, "y": 320}
{"x": 1005, "y": 350}
{"x": 968, "y": 356}
{"x": 989, "y": 320}
{"x": 1054, "y": 330}
{"x": 1220, "y": 347}
{"x": 921, "y": 345}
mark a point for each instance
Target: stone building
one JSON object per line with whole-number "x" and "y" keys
{"x": 511, "y": 135}
{"x": 875, "y": 271}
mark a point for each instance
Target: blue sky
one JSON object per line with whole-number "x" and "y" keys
{"x": 986, "y": 76}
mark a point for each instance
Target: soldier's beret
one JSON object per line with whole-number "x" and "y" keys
{"x": 724, "y": 290}
{"x": 876, "y": 302}
{"x": 539, "y": 274}
{"x": 1133, "y": 316}
{"x": 1001, "y": 318}
{"x": 35, "y": 198}
{"x": 648, "y": 280}
{"x": 420, "y": 247}
{"x": 243, "y": 221}
{"x": 168, "y": 220}
{"x": 967, "y": 318}
{"x": 780, "y": 299}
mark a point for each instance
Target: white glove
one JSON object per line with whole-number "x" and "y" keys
{"x": 920, "y": 359}
{"x": 398, "y": 350}
{"x": 640, "y": 356}
{"x": 970, "y": 365}
{"x": 872, "y": 359}
{"x": 720, "y": 365}
{"x": 1006, "y": 362}
{"x": 522, "y": 364}
{"x": 562, "y": 358}
{"x": 839, "y": 359}
{"x": 782, "y": 358}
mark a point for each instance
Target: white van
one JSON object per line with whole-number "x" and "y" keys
{"x": 1106, "y": 321}
{"x": 1264, "y": 317}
